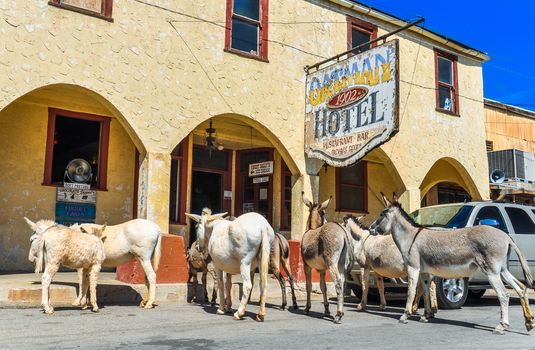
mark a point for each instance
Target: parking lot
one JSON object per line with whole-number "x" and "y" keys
{"x": 198, "y": 327}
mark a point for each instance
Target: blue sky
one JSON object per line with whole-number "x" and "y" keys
{"x": 504, "y": 30}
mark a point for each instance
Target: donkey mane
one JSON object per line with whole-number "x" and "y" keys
{"x": 407, "y": 216}
{"x": 355, "y": 219}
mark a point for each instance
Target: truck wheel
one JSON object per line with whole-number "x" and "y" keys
{"x": 451, "y": 292}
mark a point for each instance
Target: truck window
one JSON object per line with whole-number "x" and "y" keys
{"x": 490, "y": 212}
{"x": 522, "y": 223}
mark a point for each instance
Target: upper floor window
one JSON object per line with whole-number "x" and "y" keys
{"x": 74, "y": 135}
{"x": 446, "y": 82}
{"x": 247, "y": 27}
{"x": 352, "y": 188}
{"x": 96, "y": 8}
{"x": 360, "y": 32}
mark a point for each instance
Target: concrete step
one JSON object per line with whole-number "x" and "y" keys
{"x": 24, "y": 290}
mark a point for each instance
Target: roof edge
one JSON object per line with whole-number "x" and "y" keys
{"x": 396, "y": 21}
{"x": 509, "y": 108}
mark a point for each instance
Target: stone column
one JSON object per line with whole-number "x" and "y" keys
{"x": 410, "y": 199}
{"x": 153, "y": 198}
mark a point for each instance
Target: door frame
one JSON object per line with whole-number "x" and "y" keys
{"x": 238, "y": 204}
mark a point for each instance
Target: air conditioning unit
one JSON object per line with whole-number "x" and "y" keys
{"x": 516, "y": 164}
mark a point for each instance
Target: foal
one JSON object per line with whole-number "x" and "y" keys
{"x": 326, "y": 247}
{"x": 200, "y": 262}
{"x": 455, "y": 253}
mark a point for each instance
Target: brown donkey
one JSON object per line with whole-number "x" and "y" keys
{"x": 280, "y": 251}
{"x": 326, "y": 247}
{"x": 200, "y": 262}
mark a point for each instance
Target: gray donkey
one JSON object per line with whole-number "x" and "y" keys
{"x": 455, "y": 253}
{"x": 380, "y": 254}
{"x": 326, "y": 247}
{"x": 280, "y": 252}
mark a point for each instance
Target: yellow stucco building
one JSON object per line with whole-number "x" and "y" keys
{"x": 132, "y": 86}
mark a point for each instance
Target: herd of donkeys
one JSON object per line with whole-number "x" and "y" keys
{"x": 231, "y": 246}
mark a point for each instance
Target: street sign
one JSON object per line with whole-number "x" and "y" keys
{"x": 76, "y": 196}
{"x": 259, "y": 180}
{"x": 264, "y": 168}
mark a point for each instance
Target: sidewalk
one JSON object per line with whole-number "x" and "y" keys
{"x": 24, "y": 290}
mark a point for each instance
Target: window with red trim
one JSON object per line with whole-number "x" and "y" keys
{"x": 286, "y": 198}
{"x": 178, "y": 183}
{"x": 352, "y": 188}
{"x": 446, "y": 82}
{"x": 360, "y": 32}
{"x": 247, "y": 27}
{"x": 74, "y": 135}
{"x": 96, "y": 8}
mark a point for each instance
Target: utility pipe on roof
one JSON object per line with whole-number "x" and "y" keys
{"x": 396, "y": 22}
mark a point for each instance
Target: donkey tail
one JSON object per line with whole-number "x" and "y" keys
{"x": 283, "y": 246}
{"x": 523, "y": 263}
{"x": 266, "y": 252}
{"x": 41, "y": 256}
{"x": 157, "y": 253}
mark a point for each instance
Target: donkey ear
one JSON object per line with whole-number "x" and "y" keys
{"x": 193, "y": 217}
{"x": 83, "y": 230}
{"x": 305, "y": 200}
{"x": 386, "y": 202}
{"x": 394, "y": 197}
{"x": 30, "y": 223}
{"x": 217, "y": 216}
{"x": 325, "y": 204}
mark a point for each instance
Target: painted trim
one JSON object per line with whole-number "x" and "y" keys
{"x": 285, "y": 171}
{"x": 105, "y": 12}
{"x": 453, "y": 88}
{"x": 103, "y": 145}
{"x": 364, "y": 27}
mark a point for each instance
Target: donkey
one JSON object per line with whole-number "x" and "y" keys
{"x": 326, "y": 247}
{"x": 236, "y": 247}
{"x": 455, "y": 253}
{"x": 198, "y": 261}
{"x": 60, "y": 245}
{"x": 138, "y": 238}
{"x": 380, "y": 254}
{"x": 280, "y": 252}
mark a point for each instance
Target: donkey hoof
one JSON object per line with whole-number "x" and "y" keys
{"x": 220, "y": 312}
{"x": 337, "y": 319}
{"x": 529, "y": 325}
{"x": 382, "y": 307}
{"x": 237, "y": 316}
{"x": 327, "y": 313}
{"x": 498, "y": 330}
{"x": 84, "y": 307}
{"x": 148, "y": 306}
{"x": 424, "y": 319}
{"x": 142, "y": 303}
{"x": 95, "y": 309}
{"x": 76, "y": 302}
{"x": 361, "y": 307}
{"x": 307, "y": 311}
{"x": 49, "y": 310}
{"x": 259, "y": 318}
{"x": 403, "y": 319}
{"x": 283, "y": 307}
{"x": 295, "y": 307}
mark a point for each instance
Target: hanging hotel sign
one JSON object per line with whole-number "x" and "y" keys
{"x": 264, "y": 168}
{"x": 352, "y": 106}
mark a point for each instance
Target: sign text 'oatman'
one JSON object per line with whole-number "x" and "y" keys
{"x": 352, "y": 106}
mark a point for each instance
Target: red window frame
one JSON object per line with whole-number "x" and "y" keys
{"x": 454, "y": 89}
{"x": 284, "y": 173}
{"x": 104, "y": 140}
{"x": 183, "y": 156}
{"x": 105, "y": 12}
{"x": 365, "y": 27}
{"x": 262, "y": 53}
{"x": 364, "y": 186}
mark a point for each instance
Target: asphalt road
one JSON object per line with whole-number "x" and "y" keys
{"x": 198, "y": 327}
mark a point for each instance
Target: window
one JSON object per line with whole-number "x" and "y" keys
{"x": 286, "y": 198}
{"x": 247, "y": 28}
{"x": 493, "y": 213}
{"x": 360, "y": 32}
{"x": 352, "y": 188}
{"x": 522, "y": 223}
{"x": 446, "y": 82}
{"x": 97, "y": 8}
{"x": 76, "y": 135}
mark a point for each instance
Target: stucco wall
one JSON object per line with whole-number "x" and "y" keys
{"x": 23, "y": 128}
{"x": 161, "y": 74}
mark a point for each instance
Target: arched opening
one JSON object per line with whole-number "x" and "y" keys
{"x": 231, "y": 163}
{"x": 356, "y": 189}
{"x": 447, "y": 182}
{"x": 41, "y": 132}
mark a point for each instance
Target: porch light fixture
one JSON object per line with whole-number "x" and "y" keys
{"x": 211, "y": 143}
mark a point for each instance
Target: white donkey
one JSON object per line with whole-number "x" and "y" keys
{"x": 138, "y": 238}
{"x": 53, "y": 245}
{"x": 236, "y": 247}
